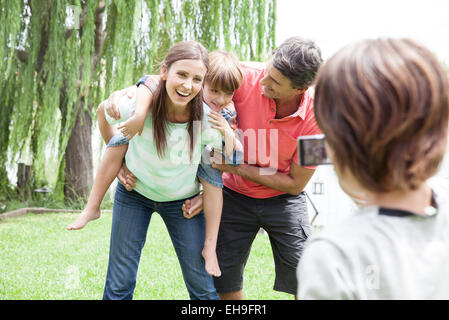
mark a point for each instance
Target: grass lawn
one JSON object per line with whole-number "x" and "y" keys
{"x": 40, "y": 259}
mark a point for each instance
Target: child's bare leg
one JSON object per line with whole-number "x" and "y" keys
{"x": 212, "y": 206}
{"x": 107, "y": 171}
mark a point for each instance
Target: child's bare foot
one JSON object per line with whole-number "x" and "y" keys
{"x": 210, "y": 257}
{"x": 84, "y": 217}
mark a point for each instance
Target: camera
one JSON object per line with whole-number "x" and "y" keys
{"x": 312, "y": 150}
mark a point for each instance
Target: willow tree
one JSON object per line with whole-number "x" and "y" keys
{"x": 59, "y": 59}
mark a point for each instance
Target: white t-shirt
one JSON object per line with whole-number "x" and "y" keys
{"x": 380, "y": 254}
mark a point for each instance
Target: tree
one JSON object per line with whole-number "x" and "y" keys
{"x": 59, "y": 59}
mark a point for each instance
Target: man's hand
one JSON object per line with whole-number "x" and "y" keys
{"x": 126, "y": 178}
{"x": 218, "y": 162}
{"x": 293, "y": 182}
{"x": 110, "y": 106}
{"x": 223, "y": 167}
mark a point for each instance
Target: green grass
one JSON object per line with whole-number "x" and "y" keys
{"x": 40, "y": 259}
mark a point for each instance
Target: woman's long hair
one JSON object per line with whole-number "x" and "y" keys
{"x": 184, "y": 50}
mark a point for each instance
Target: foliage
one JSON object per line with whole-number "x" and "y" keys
{"x": 57, "y": 55}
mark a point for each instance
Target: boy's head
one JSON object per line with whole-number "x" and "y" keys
{"x": 222, "y": 79}
{"x": 384, "y": 107}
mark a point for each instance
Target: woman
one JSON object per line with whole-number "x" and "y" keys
{"x": 164, "y": 159}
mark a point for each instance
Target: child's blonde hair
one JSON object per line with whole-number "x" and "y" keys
{"x": 224, "y": 71}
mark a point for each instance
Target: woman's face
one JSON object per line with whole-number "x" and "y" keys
{"x": 184, "y": 79}
{"x": 216, "y": 98}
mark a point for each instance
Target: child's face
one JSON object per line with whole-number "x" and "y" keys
{"x": 184, "y": 80}
{"x": 216, "y": 98}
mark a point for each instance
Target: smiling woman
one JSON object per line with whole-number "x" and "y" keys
{"x": 165, "y": 169}
{"x": 184, "y": 81}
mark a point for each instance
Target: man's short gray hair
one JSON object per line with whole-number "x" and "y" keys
{"x": 299, "y": 60}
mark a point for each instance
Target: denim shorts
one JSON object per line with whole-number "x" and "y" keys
{"x": 212, "y": 175}
{"x": 117, "y": 140}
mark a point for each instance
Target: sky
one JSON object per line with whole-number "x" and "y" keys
{"x": 333, "y": 24}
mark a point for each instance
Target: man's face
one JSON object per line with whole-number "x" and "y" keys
{"x": 277, "y": 86}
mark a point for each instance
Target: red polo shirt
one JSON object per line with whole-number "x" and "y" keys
{"x": 268, "y": 142}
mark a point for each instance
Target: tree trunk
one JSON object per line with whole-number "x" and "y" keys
{"x": 24, "y": 181}
{"x": 78, "y": 158}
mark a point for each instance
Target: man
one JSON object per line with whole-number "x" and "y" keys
{"x": 274, "y": 106}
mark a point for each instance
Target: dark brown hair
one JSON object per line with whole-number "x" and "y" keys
{"x": 224, "y": 71}
{"x": 299, "y": 60}
{"x": 184, "y": 50}
{"x": 384, "y": 105}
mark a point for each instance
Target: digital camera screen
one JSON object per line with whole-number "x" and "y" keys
{"x": 312, "y": 150}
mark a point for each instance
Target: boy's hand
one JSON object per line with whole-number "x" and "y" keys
{"x": 220, "y": 123}
{"x": 132, "y": 126}
{"x": 192, "y": 207}
{"x": 110, "y": 106}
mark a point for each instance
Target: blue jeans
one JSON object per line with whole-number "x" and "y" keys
{"x": 131, "y": 217}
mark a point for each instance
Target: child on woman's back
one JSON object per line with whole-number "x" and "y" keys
{"x": 222, "y": 79}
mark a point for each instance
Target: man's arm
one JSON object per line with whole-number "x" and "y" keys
{"x": 292, "y": 183}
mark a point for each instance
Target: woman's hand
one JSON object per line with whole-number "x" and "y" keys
{"x": 126, "y": 178}
{"x": 192, "y": 207}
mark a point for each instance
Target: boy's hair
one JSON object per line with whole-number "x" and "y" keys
{"x": 384, "y": 107}
{"x": 224, "y": 71}
{"x": 299, "y": 60}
